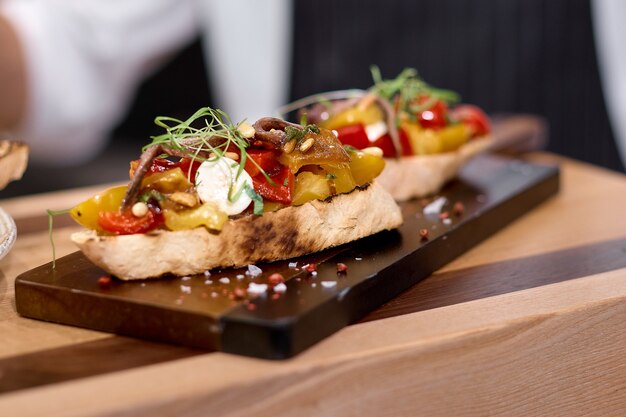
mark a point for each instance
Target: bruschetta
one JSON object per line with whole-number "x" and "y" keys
{"x": 223, "y": 195}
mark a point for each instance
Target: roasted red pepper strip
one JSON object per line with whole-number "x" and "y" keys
{"x": 282, "y": 190}
{"x": 185, "y": 164}
{"x": 266, "y": 159}
{"x": 384, "y": 142}
{"x": 353, "y": 135}
{"x": 407, "y": 149}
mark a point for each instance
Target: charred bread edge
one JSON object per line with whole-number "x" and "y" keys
{"x": 283, "y": 234}
{"x": 423, "y": 175}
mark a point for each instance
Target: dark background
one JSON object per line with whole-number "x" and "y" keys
{"x": 513, "y": 56}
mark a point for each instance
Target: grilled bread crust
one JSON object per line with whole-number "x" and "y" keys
{"x": 423, "y": 175}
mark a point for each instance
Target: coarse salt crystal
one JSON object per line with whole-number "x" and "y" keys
{"x": 214, "y": 294}
{"x": 313, "y": 285}
{"x": 207, "y": 273}
{"x": 186, "y": 289}
{"x": 254, "y": 270}
{"x": 358, "y": 259}
{"x": 293, "y": 264}
{"x": 314, "y": 273}
{"x": 208, "y": 281}
{"x": 240, "y": 276}
{"x": 224, "y": 280}
{"x": 257, "y": 289}
{"x": 329, "y": 284}
{"x": 186, "y": 278}
{"x": 435, "y": 206}
{"x": 280, "y": 288}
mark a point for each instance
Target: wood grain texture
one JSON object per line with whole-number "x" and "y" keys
{"x": 440, "y": 290}
{"x": 84, "y": 359}
{"x": 466, "y": 284}
{"x": 552, "y": 349}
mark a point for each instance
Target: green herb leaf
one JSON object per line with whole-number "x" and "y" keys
{"x": 298, "y": 134}
{"x": 149, "y": 195}
{"x": 256, "y": 198}
{"x": 293, "y": 133}
{"x": 312, "y": 128}
{"x": 331, "y": 176}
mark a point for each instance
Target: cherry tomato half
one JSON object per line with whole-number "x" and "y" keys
{"x": 125, "y": 223}
{"x": 473, "y": 117}
{"x": 434, "y": 117}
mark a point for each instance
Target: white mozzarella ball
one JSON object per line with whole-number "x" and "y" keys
{"x": 218, "y": 179}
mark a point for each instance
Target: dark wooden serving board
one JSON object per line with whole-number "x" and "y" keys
{"x": 201, "y": 311}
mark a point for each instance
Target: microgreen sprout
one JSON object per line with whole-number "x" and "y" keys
{"x": 196, "y": 142}
{"x": 409, "y": 92}
{"x": 51, "y": 214}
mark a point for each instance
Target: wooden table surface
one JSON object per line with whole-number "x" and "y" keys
{"x": 529, "y": 322}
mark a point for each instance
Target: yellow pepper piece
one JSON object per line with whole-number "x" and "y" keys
{"x": 310, "y": 186}
{"x": 86, "y": 213}
{"x": 365, "y": 167}
{"x": 167, "y": 182}
{"x": 354, "y": 115}
{"x": 340, "y": 178}
{"x": 453, "y": 137}
{"x": 205, "y": 215}
{"x": 430, "y": 141}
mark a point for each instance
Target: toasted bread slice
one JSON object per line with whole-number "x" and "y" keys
{"x": 13, "y": 161}
{"x": 283, "y": 234}
{"x": 422, "y": 175}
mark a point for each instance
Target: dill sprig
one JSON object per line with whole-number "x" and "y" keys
{"x": 409, "y": 92}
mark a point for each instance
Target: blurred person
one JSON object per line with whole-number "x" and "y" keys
{"x": 70, "y": 68}
{"x": 518, "y": 56}
{"x": 610, "y": 35}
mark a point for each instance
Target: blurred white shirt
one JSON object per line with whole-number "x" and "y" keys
{"x": 609, "y": 20}
{"x": 86, "y": 58}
